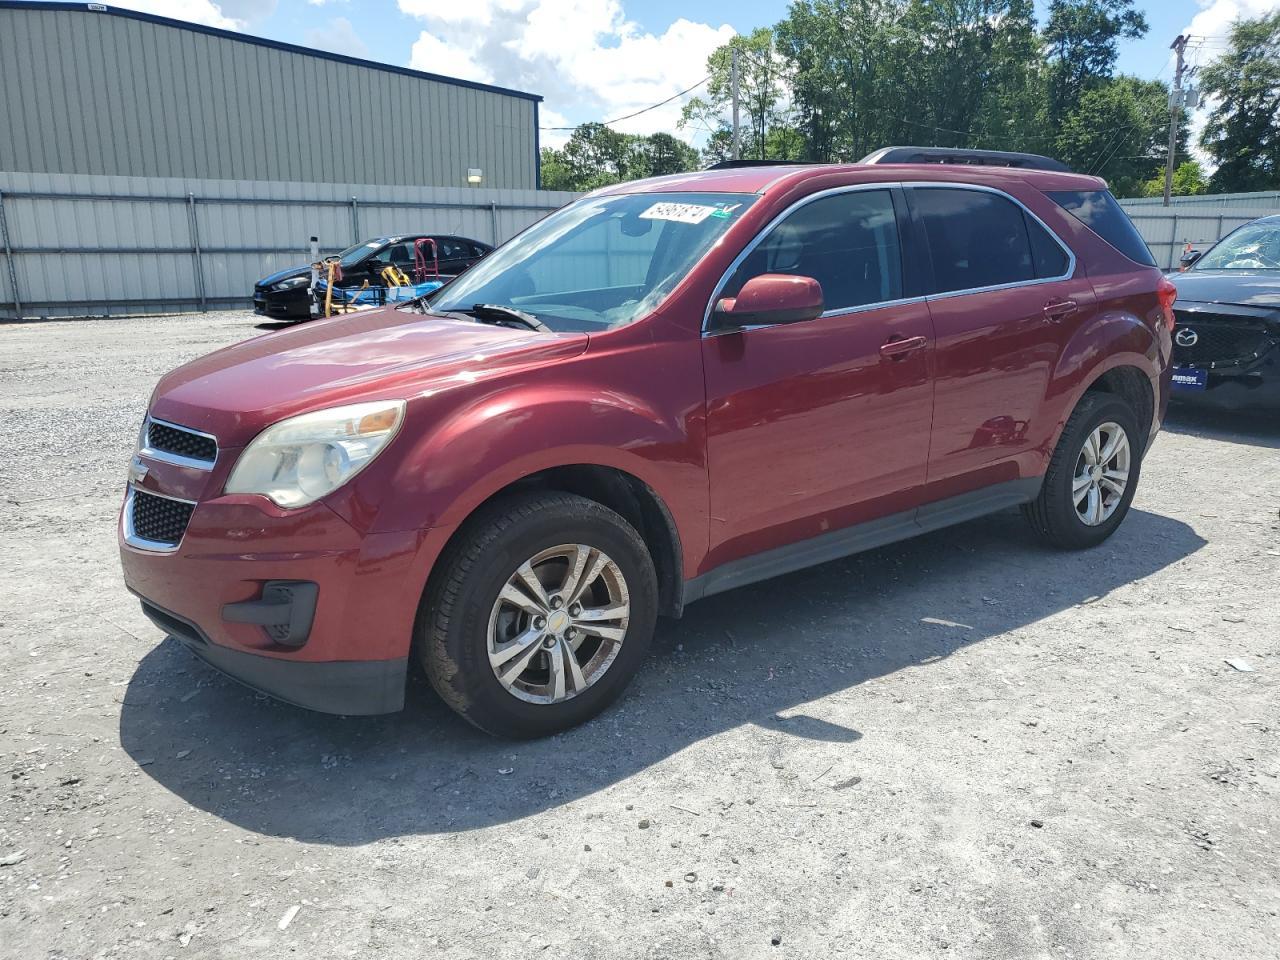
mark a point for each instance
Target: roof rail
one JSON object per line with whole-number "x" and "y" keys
{"x": 737, "y": 164}
{"x": 989, "y": 158}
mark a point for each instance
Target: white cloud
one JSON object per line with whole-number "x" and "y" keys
{"x": 584, "y": 56}
{"x": 434, "y": 55}
{"x": 1215, "y": 18}
{"x": 247, "y": 11}
{"x": 338, "y": 36}
{"x": 195, "y": 11}
{"x": 1209, "y": 30}
{"x": 548, "y": 119}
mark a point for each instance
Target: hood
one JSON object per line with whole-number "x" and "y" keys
{"x": 284, "y": 275}
{"x": 1249, "y": 288}
{"x": 235, "y": 392}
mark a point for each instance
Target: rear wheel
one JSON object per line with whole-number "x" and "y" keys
{"x": 1092, "y": 476}
{"x": 542, "y": 613}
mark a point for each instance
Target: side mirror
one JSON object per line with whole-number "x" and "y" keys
{"x": 1188, "y": 258}
{"x": 769, "y": 299}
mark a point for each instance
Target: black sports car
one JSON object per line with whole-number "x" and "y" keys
{"x": 1226, "y": 346}
{"x": 285, "y": 295}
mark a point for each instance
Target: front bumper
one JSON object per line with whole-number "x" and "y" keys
{"x": 290, "y": 305}
{"x": 351, "y": 688}
{"x": 1235, "y": 351}
{"x": 1258, "y": 390}
{"x": 346, "y": 655}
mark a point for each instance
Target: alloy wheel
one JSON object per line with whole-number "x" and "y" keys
{"x": 1102, "y": 474}
{"x": 558, "y": 623}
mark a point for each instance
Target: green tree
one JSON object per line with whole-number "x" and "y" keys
{"x": 1242, "y": 134}
{"x": 1080, "y": 39}
{"x": 596, "y": 156}
{"x": 871, "y": 73}
{"x": 1120, "y": 131}
{"x": 660, "y": 153}
{"x": 556, "y": 174}
{"x": 847, "y": 59}
{"x": 763, "y": 105}
{"x": 972, "y": 65}
{"x": 1188, "y": 181}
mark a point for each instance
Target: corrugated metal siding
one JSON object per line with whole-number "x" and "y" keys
{"x": 126, "y": 244}
{"x": 95, "y": 93}
{"x": 1200, "y": 221}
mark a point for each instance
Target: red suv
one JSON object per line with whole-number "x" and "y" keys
{"x": 665, "y": 390}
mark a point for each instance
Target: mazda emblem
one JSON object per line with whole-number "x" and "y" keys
{"x": 1186, "y": 337}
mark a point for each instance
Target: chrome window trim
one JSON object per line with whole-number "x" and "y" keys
{"x": 862, "y": 308}
{"x": 142, "y": 543}
{"x": 177, "y": 459}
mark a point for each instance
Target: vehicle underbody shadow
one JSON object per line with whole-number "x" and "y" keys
{"x": 749, "y": 656}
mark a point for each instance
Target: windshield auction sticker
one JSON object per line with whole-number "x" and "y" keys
{"x": 679, "y": 212}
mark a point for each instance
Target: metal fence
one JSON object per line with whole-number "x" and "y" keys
{"x": 83, "y": 246}
{"x": 1199, "y": 221}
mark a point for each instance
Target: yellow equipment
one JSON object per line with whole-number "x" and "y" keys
{"x": 393, "y": 276}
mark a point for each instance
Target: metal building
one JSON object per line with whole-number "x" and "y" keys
{"x": 1199, "y": 221}
{"x": 89, "y": 89}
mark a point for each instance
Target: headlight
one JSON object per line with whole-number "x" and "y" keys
{"x": 299, "y": 460}
{"x": 291, "y": 284}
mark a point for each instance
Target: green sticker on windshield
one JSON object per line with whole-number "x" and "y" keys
{"x": 725, "y": 210}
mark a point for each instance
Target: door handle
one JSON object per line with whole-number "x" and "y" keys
{"x": 1055, "y": 310}
{"x": 899, "y": 348}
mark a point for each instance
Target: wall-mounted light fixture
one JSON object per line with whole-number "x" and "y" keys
{"x": 475, "y": 176}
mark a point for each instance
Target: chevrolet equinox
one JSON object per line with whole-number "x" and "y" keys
{"x": 664, "y": 390}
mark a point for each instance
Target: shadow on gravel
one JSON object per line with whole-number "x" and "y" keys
{"x": 734, "y": 659}
{"x": 1253, "y": 428}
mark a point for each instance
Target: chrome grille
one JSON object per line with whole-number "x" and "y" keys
{"x": 158, "y": 520}
{"x": 168, "y": 441}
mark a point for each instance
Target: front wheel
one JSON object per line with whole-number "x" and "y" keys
{"x": 542, "y": 612}
{"x": 1092, "y": 476}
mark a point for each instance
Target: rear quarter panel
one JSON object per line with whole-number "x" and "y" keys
{"x": 1125, "y": 329}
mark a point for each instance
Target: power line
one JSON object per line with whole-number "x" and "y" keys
{"x": 674, "y": 96}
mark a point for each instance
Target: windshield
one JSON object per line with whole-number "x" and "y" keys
{"x": 353, "y": 255}
{"x": 1255, "y": 246}
{"x": 599, "y": 263}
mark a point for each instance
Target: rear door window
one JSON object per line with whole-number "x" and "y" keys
{"x": 1098, "y": 210}
{"x": 976, "y": 239}
{"x": 848, "y": 242}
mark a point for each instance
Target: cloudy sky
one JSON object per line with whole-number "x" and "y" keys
{"x": 594, "y": 59}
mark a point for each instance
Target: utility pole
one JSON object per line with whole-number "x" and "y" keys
{"x": 733, "y": 82}
{"x": 1175, "y": 109}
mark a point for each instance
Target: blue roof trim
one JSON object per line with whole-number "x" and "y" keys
{"x": 261, "y": 42}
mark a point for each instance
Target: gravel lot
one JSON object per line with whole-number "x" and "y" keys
{"x": 1065, "y": 766}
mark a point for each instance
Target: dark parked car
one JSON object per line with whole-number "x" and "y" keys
{"x": 1226, "y": 347}
{"x": 285, "y": 296}
{"x": 665, "y": 390}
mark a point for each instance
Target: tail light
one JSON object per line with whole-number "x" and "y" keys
{"x": 1167, "y": 293}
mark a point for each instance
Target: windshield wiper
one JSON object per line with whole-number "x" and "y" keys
{"x": 496, "y": 313}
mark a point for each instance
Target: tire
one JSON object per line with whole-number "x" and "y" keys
{"x": 1054, "y": 513}
{"x": 465, "y": 615}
